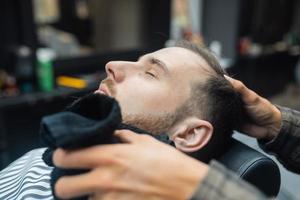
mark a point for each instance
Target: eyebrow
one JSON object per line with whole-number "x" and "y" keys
{"x": 158, "y": 62}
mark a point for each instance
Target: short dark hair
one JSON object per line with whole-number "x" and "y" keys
{"x": 217, "y": 102}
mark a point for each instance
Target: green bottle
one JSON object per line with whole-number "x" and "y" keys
{"x": 45, "y": 73}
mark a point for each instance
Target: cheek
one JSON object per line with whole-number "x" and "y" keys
{"x": 140, "y": 96}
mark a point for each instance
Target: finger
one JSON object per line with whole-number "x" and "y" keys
{"x": 254, "y": 131}
{"x": 99, "y": 182}
{"x": 78, "y": 185}
{"x": 128, "y": 136}
{"x": 90, "y": 157}
{"x": 237, "y": 85}
{"x": 248, "y": 96}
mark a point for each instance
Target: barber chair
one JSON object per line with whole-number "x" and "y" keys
{"x": 253, "y": 166}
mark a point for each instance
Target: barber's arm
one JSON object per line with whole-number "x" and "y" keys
{"x": 144, "y": 168}
{"x": 277, "y": 128}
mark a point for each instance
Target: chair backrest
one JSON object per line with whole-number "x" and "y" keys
{"x": 253, "y": 166}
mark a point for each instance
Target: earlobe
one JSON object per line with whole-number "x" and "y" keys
{"x": 195, "y": 136}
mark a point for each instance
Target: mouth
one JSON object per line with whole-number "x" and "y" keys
{"x": 103, "y": 90}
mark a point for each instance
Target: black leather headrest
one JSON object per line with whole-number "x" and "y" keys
{"x": 253, "y": 166}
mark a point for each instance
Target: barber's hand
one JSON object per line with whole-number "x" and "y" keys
{"x": 142, "y": 168}
{"x": 266, "y": 118}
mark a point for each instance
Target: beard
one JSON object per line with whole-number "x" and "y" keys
{"x": 160, "y": 123}
{"x": 153, "y": 124}
{"x": 156, "y": 124}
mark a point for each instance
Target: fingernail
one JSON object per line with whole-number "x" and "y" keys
{"x": 228, "y": 78}
{"x": 117, "y": 132}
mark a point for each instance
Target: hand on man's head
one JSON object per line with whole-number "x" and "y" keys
{"x": 265, "y": 117}
{"x": 139, "y": 168}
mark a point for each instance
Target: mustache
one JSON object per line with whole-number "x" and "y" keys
{"x": 110, "y": 85}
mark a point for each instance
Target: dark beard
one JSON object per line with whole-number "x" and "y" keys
{"x": 153, "y": 124}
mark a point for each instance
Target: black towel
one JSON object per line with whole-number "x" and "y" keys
{"x": 88, "y": 121}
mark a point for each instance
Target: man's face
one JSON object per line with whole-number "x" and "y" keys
{"x": 151, "y": 89}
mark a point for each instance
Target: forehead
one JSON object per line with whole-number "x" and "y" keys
{"x": 180, "y": 58}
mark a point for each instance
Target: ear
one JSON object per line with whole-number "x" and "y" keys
{"x": 192, "y": 134}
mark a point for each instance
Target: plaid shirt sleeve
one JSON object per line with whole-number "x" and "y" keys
{"x": 220, "y": 183}
{"x": 286, "y": 146}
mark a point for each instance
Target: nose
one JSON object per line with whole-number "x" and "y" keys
{"x": 118, "y": 70}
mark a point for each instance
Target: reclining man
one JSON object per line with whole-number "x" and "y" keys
{"x": 179, "y": 90}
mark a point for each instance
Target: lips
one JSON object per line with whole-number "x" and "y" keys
{"x": 103, "y": 90}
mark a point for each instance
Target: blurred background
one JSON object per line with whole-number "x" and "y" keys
{"x": 54, "y": 51}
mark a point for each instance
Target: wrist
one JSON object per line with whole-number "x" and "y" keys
{"x": 198, "y": 173}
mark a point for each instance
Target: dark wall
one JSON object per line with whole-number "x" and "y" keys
{"x": 157, "y": 25}
{"x": 9, "y": 34}
{"x": 17, "y": 29}
{"x": 220, "y": 22}
{"x": 266, "y": 75}
{"x": 266, "y": 21}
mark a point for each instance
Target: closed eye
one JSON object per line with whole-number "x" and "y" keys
{"x": 150, "y": 74}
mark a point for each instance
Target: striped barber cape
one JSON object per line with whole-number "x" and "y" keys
{"x": 27, "y": 178}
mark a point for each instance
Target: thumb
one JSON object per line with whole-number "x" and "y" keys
{"x": 248, "y": 96}
{"x": 255, "y": 131}
{"x": 127, "y": 136}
